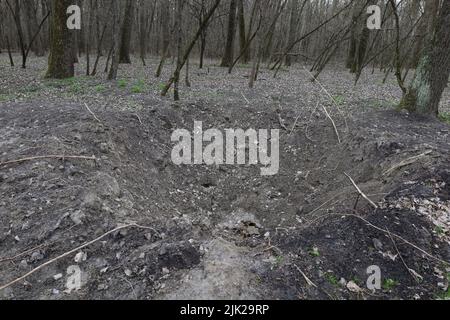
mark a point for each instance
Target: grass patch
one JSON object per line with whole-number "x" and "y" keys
{"x": 389, "y": 284}
{"x": 76, "y": 88}
{"x": 340, "y": 100}
{"x": 6, "y": 97}
{"x": 439, "y": 230}
{"x": 31, "y": 89}
{"x": 379, "y": 104}
{"x": 138, "y": 87}
{"x": 279, "y": 261}
{"x": 122, "y": 83}
{"x": 161, "y": 86}
{"x": 445, "y": 295}
{"x": 314, "y": 252}
{"x": 331, "y": 278}
{"x": 73, "y": 85}
{"x": 358, "y": 281}
{"x": 445, "y": 117}
{"x": 100, "y": 88}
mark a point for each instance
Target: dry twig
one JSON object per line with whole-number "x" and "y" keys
{"x": 413, "y": 274}
{"x": 93, "y": 114}
{"x": 308, "y": 281}
{"x": 332, "y": 122}
{"x": 406, "y": 162}
{"x": 360, "y": 192}
{"x": 93, "y": 158}
{"x": 68, "y": 253}
{"x": 396, "y": 236}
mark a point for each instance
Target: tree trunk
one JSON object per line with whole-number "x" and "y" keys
{"x": 8, "y": 47}
{"x": 228, "y": 56}
{"x": 60, "y": 62}
{"x": 353, "y": 41}
{"x": 116, "y": 41}
{"x": 360, "y": 54}
{"x": 144, "y": 26}
{"x": 127, "y": 27}
{"x": 424, "y": 29}
{"x": 165, "y": 35}
{"x": 15, "y": 11}
{"x": 292, "y": 28}
{"x": 202, "y": 49}
{"x": 179, "y": 31}
{"x": 33, "y": 25}
{"x": 188, "y": 50}
{"x": 88, "y": 30}
{"x": 242, "y": 35}
{"x": 432, "y": 74}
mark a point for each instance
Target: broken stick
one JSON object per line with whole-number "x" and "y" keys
{"x": 360, "y": 192}
{"x": 47, "y": 157}
{"x": 68, "y": 253}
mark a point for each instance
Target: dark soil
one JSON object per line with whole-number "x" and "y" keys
{"x": 221, "y": 232}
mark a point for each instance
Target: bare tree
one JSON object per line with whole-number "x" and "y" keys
{"x": 176, "y": 74}
{"x": 116, "y": 41}
{"x": 127, "y": 26}
{"x": 431, "y": 77}
{"x": 60, "y": 63}
{"x": 228, "y": 55}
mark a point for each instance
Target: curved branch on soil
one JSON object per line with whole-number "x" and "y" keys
{"x": 68, "y": 253}
{"x": 93, "y": 158}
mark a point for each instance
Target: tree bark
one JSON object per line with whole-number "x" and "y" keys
{"x": 292, "y": 27}
{"x": 242, "y": 34}
{"x": 60, "y": 63}
{"x": 228, "y": 56}
{"x": 361, "y": 51}
{"x": 432, "y": 74}
{"x": 127, "y": 27}
{"x": 179, "y": 31}
{"x": 165, "y": 35}
{"x": 116, "y": 42}
{"x": 424, "y": 29}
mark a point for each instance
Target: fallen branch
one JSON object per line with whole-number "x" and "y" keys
{"x": 245, "y": 98}
{"x": 360, "y": 192}
{"x": 93, "y": 158}
{"x": 309, "y": 121}
{"x": 329, "y": 95}
{"x": 93, "y": 114}
{"x": 407, "y": 162}
{"x": 334, "y": 125}
{"x": 23, "y": 253}
{"x": 68, "y": 253}
{"x": 282, "y": 125}
{"x": 413, "y": 273}
{"x": 395, "y": 235}
{"x": 308, "y": 281}
{"x": 294, "y": 125}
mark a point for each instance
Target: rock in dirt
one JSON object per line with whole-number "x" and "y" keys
{"x": 107, "y": 186}
{"x": 353, "y": 287}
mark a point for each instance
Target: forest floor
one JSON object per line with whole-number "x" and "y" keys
{"x": 221, "y": 232}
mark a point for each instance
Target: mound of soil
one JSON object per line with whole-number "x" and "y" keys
{"x": 221, "y": 232}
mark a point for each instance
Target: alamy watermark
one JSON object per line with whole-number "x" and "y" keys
{"x": 228, "y": 147}
{"x": 373, "y": 21}
{"x": 374, "y": 280}
{"x": 74, "y": 20}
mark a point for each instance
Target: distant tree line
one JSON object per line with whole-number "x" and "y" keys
{"x": 413, "y": 38}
